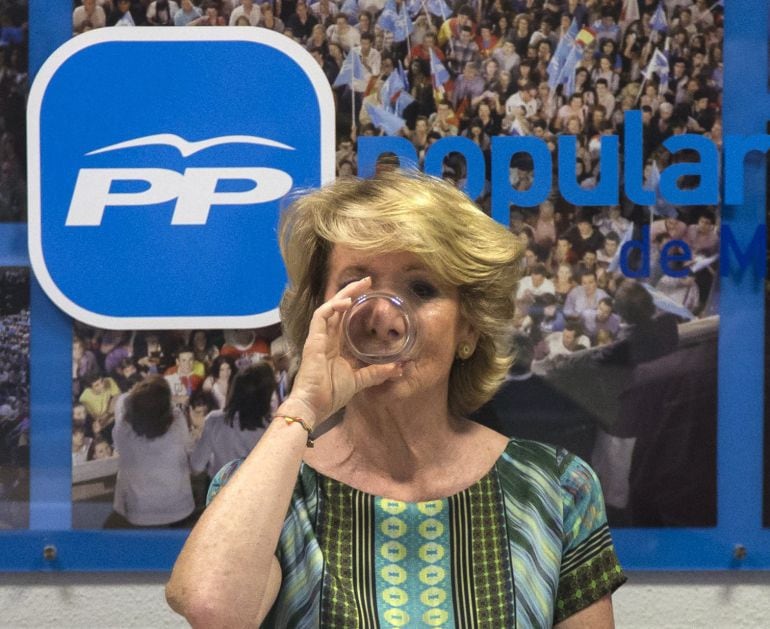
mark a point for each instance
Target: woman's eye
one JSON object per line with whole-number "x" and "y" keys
{"x": 423, "y": 290}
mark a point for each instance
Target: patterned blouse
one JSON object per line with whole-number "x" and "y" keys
{"x": 525, "y": 546}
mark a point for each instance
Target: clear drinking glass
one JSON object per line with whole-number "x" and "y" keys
{"x": 380, "y": 327}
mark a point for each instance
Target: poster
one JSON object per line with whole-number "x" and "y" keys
{"x": 660, "y": 520}
{"x": 624, "y": 376}
{"x": 14, "y": 397}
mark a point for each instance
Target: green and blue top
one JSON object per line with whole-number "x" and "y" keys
{"x": 525, "y": 546}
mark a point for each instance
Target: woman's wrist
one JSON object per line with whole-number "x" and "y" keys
{"x": 298, "y": 409}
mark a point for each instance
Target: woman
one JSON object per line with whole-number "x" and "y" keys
{"x": 219, "y": 381}
{"x": 521, "y": 34}
{"x": 398, "y": 431}
{"x": 153, "y": 486}
{"x": 234, "y": 432}
{"x": 205, "y": 350}
{"x": 421, "y": 87}
{"x": 605, "y": 71}
{"x": 564, "y": 282}
{"x": 317, "y": 40}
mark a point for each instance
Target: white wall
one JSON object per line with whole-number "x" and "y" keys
{"x": 657, "y": 600}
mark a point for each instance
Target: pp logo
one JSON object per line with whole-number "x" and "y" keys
{"x": 159, "y": 162}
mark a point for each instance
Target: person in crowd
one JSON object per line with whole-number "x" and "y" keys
{"x": 161, "y": 12}
{"x": 419, "y": 237}
{"x": 99, "y": 400}
{"x": 535, "y": 284}
{"x": 201, "y": 404}
{"x": 151, "y": 435}
{"x": 232, "y": 432}
{"x": 84, "y": 365}
{"x": 218, "y": 382}
{"x": 584, "y": 297}
{"x": 101, "y": 449}
{"x": 81, "y": 445}
{"x": 87, "y": 16}
{"x": 300, "y": 23}
{"x": 125, "y": 374}
{"x": 245, "y": 347}
{"x": 602, "y": 319}
{"x": 248, "y": 9}
{"x": 187, "y": 14}
{"x": 182, "y": 377}
{"x": 127, "y": 13}
{"x": 570, "y": 339}
{"x": 583, "y": 236}
{"x": 269, "y": 20}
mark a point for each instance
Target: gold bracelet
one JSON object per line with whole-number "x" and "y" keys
{"x": 301, "y": 422}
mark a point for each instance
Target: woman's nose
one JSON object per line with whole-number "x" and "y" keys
{"x": 378, "y": 327}
{"x": 385, "y": 322}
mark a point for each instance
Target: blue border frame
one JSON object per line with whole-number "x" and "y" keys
{"x": 741, "y": 358}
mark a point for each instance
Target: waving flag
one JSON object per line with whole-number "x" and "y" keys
{"x": 614, "y": 264}
{"x": 403, "y": 101}
{"x": 404, "y": 25}
{"x": 395, "y": 21}
{"x": 352, "y": 70}
{"x": 439, "y": 8}
{"x": 658, "y": 64}
{"x": 570, "y": 68}
{"x": 658, "y": 20}
{"x": 390, "y": 123}
{"x": 585, "y": 37}
{"x": 666, "y": 304}
{"x": 566, "y": 73}
{"x": 350, "y": 8}
{"x": 561, "y": 53}
{"x": 629, "y": 13}
{"x": 390, "y": 89}
{"x": 661, "y": 206}
{"x": 438, "y": 72}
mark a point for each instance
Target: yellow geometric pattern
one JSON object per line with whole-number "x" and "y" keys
{"x": 412, "y": 563}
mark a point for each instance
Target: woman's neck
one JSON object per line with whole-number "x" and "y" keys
{"x": 396, "y": 440}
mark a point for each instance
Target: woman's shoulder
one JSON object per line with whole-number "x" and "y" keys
{"x": 544, "y": 463}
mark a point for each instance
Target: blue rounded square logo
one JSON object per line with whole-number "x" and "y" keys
{"x": 159, "y": 160}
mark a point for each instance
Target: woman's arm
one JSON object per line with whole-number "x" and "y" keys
{"x": 227, "y": 573}
{"x": 598, "y": 615}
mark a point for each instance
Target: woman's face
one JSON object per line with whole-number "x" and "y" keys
{"x": 199, "y": 340}
{"x": 564, "y": 273}
{"x": 440, "y": 327}
{"x": 225, "y": 371}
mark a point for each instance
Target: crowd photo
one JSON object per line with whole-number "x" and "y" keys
{"x": 13, "y": 106}
{"x": 14, "y": 397}
{"x": 155, "y": 414}
{"x": 620, "y": 370}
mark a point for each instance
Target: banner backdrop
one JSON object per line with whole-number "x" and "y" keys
{"x": 615, "y": 209}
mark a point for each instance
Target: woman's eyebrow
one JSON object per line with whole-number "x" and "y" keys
{"x": 356, "y": 269}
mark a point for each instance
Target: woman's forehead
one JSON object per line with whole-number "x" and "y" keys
{"x": 344, "y": 258}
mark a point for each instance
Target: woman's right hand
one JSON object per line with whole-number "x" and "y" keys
{"x": 326, "y": 380}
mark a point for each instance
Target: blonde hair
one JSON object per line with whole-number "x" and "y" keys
{"x": 425, "y": 216}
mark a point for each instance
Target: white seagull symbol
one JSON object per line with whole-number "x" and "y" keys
{"x": 187, "y": 148}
